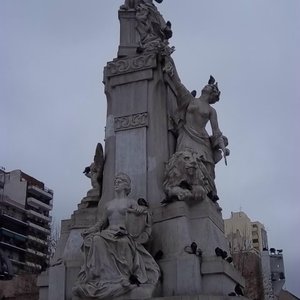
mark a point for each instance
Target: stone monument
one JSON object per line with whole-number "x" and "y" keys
{"x": 156, "y": 228}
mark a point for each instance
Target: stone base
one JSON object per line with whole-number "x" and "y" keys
{"x": 145, "y": 291}
{"x": 199, "y": 297}
{"x": 183, "y": 273}
{"x": 91, "y": 199}
{"x": 194, "y": 297}
{"x": 190, "y": 274}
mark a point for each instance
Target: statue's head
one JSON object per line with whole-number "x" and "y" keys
{"x": 183, "y": 165}
{"x": 122, "y": 182}
{"x": 212, "y": 91}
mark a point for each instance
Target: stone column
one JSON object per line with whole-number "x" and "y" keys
{"x": 136, "y": 139}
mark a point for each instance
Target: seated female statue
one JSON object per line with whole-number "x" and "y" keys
{"x": 115, "y": 261}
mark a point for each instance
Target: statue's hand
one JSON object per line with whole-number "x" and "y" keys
{"x": 88, "y": 231}
{"x": 137, "y": 210}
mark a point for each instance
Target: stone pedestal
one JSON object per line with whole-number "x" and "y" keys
{"x": 176, "y": 226}
{"x": 58, "y": 281}
{"x": 129, "y": 39}
{"x": 91, "y": 199}
{"x": 136, "y": 134}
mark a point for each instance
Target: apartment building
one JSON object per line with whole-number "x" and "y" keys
{"x": 262, "y": 267}
{"x": 25, "y": 206}
{"x": 245, "y": 235}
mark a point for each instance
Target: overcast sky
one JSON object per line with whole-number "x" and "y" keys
{"x": 53, "y": 107}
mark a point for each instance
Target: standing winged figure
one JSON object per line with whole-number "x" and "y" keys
{"x": 95, "y": 170}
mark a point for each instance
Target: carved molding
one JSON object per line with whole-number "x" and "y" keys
{"x": 132, "y": 64}
{"x": 131, "y": 121}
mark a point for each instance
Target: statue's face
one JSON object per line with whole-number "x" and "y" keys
{"x": 121, "y": 184}
{"x": 213, "y": 92}
{"x": 189, "y": 161}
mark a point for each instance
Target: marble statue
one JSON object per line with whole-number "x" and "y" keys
{"x": 115, "y": 260}
{"x": 186, "y": 177}
{"x": 132, "y": 4}
{"x": 153, "y": 30}
{"x": 193, "y": 116}
{"x": 95, "y": 170}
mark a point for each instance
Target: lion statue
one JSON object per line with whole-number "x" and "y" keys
{"x": 186, "y": 178}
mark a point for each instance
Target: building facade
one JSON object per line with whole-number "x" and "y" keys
{"x": 262, "y": 267}
{"x": 25, "y": 206}
{"x": 245, "y": 235}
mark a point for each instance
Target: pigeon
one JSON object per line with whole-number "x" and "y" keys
{"x": 211, "y": 80}
{"x": 219, "y": 251}
{"x": 194, "y": 93}
{"x": 194, "y": 247}
{"x": 213, "y": 197}
{"x": 224, "y": 254}
{"x": 143, "y": 202}
{"x": 87, "y": 170}
{"x": 159, "y": 254}
{"x": 238, "y": 289}
{"x": 229, "y": 259}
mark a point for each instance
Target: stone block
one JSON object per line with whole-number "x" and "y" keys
{"x": 57, "y": 282}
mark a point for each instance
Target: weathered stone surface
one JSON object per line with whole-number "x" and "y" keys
{"x": 115, "y": 260}
{"x": 144, "y": 100}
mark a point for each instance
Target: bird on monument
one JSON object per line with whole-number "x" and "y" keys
{"x": 211, "y": 80}
{"x": 229, "y": 259}
{"x": 213, "y": 197}
{"x": 193, "y": 249}
{"x": 143, "y": 202}
{"x": 158, "y": 255}
{"x": 219, "y": 251}
{"x": 87, "y": 170}
{"x": 224, "y": 254}
{"x": 239, "y": 290}
{"x": 194, "y": 93}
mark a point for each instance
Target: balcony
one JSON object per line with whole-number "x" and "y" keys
{"x": 12, "y": 217}
{"x": 34, "y": 266}
{"x": 17, "y": 262}
{"x": 7, "y": 245}
{"x": 40, "y": 216}
{"x": 37, "y": 240}
{"x": 40, "y": 228}
{"x": 39, "y": 204}
{"x": 35, "y": 252}
{"x": 45, "y": 193}
{"x": 13, "y": 234}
